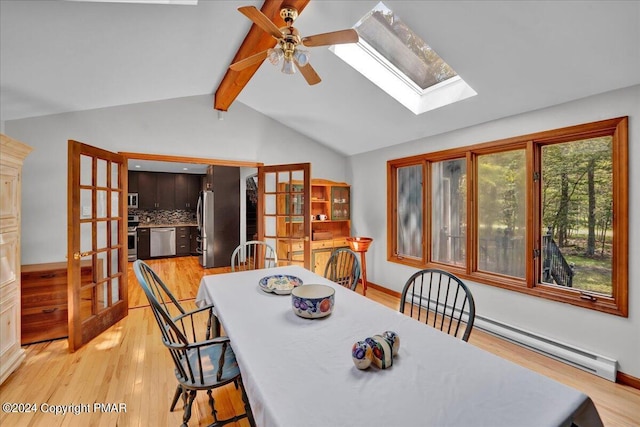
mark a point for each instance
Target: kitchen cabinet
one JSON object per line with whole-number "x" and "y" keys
{"x": 194, "y": 235}
{"x": 165, "y": 191}
{"x": 156, "y": 190}
{"x": 331, "y": 210}
{"x": 144, "y": 242}
{"x": 147, "y": 189}
{"x": 132, "y": 182}
{"x": 11, "y": 160}
{"x": 183, "y": 241}
{"x": 168, "y": 191}
{"x": 187, "y": 189}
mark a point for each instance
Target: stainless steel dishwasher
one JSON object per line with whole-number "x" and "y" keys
{"x": 163, "y": 241}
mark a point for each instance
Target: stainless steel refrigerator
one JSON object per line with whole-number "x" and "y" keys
{"x": 218, "y": 226}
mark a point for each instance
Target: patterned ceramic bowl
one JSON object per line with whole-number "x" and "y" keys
{"x": 312, "y": 301}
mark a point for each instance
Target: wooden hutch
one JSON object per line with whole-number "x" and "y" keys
{"x": 330, "y": 227}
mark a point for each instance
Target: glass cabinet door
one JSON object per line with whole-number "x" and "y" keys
{"x": 340, "y": 203}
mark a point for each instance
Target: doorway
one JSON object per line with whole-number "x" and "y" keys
{"x": 205, "y": 168}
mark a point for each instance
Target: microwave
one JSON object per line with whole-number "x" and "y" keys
{"x": 132, "y": 200}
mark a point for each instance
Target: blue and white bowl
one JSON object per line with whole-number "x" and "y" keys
{"x": 312, "y": 301}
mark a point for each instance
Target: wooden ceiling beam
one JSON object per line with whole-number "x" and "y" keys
{"x": 256, "y": 41}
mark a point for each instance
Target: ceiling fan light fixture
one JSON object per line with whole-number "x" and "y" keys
{"x": 301, "y": 57}
{"x": 288, "y": 66}
{"x": 275, "y": 55}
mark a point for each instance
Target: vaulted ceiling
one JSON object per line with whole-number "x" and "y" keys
{"x": 60, "y": 56}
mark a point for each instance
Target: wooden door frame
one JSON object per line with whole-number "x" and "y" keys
{"x": 182, "y": 159}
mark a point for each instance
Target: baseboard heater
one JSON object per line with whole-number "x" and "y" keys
{"x": 582, "y": 359}
{"x": 587, "y": 361}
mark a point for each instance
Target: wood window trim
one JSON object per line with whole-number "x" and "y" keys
{"x": 617, "y": 304}
{"x": 392, "y": 211}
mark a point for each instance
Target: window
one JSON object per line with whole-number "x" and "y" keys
{"x": 449, "y": 211}
{"x": 577, "y": 215}
{"x": 543, "y": 214}
{"x": 501, "y": 225}
{"x": 398, "y": 60}
{"x": 409, "y": 219}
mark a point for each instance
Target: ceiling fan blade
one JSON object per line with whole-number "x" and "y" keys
{"x": 247, "y": 62}
{"x": 335, "y": 37}
{"x": 309, "y": 74}
{"x": 261, "y": 20}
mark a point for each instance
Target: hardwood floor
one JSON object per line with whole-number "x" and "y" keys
{"x": 129, "y": 365}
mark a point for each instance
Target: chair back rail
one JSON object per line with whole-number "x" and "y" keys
{"x": 440, "y": 299}
{"x": 343, "y": 268}
{"x": 253, "y": 255}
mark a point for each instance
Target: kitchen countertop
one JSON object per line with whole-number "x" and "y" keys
{"x": 180, "y": 224}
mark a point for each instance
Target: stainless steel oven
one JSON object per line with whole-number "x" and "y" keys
{"x": 132, "y": 237}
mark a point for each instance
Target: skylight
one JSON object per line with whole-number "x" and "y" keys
{"x": 397, "y": 60}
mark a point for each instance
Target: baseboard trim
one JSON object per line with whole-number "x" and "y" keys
{"x": 626, "y": 379}
{"x": 383, "y": 290}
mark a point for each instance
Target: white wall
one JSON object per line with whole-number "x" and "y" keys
{"x": 181, "y": 127}
{"x": 605, "y": 334}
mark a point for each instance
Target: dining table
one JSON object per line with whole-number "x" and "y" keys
{"x": 299, "y": 371}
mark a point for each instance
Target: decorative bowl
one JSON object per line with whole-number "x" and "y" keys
{"x": 312, "y": 301}
{"x": 280, "y": 284}
{"x": 359, "y": 244}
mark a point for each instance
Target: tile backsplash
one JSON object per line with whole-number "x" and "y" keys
{"x": 176, "y": 216}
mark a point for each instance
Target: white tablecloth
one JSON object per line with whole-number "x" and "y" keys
{"x": 298, "y": 372}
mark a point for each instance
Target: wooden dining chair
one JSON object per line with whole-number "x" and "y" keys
{"x": 202, "y": 360}
{"x": 440, "y": 299}
{"x": 343, "y": 268}
{"x": 253, "y": 255}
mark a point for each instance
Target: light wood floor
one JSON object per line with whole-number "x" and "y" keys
{"x": 128, "y": 364}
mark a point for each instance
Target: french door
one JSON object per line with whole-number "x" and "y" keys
{"x": 284, "y": 211}
{"x": 96, "y": 236}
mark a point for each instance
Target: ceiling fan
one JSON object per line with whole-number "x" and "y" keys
{"x": 289, "y": 48}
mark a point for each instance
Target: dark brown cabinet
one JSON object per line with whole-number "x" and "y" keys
{"x": 144, "y": 243}
{"x": 147, "y": 185}
{"x": 168, "y": 191}
{"x": 183, "y": 241}
{"x": 133, "y": 182}
{"x": 187, "y": 189}
{"x": 165, "y": 191}
{"x": 155, "y": 190}
{"x": 193, "y": 240}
